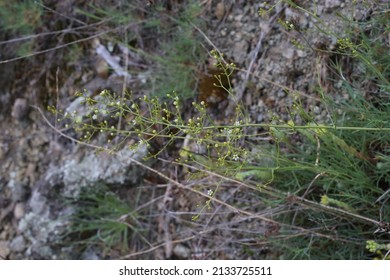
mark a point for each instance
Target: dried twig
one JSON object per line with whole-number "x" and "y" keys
{"x": 167, "y": 202}
{"x": 52, "y": 33}
{"x": 68, "y": 44}
{"x": 126, "y": 75}
{"x": 157, "y": 246}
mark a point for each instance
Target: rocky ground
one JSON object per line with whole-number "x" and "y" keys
{"x": 39, "y": 167}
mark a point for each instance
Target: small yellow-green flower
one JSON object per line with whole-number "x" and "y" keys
{"x": 325, "y": 200}
{"x": 371, "y": 246}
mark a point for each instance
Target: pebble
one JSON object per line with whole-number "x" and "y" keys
{"x": 288, "y": 52}
{"x": 19, "y": 210}
{"x": 18, "y": 244}
{"x": 238, "y": 18}
{"x": 281, "y": 94}
{"x": 238, "y": 55}
{"x": 260, "y": 118}
{"x": 220, "y": 11}
{"x": 18, "y": 190}
{"x": 316, "y": 110}
{"x": 182, "y": 252}
{"x": 331, "y": 4}
{"x": 19, "y": 109}
{"x": 38, "y": 203}
{"x": 4, "y": 249}
{"x": 238, "y": 37}
{"x": 102, "y": 68}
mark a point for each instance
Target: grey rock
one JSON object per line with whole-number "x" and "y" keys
{"x": 95, "y": 168}
{"x": 18, "y": 244}
{"x": 39, "y": 232}
{"x": 35, "y": 227}
{"x": 239, "y": 51}
{"x": 38, "y": 204}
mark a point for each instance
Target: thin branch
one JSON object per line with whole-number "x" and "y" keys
{"x": 66, "y": 45}
{"x": 156, "y": 247}
{"x": 51, "y": 33}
